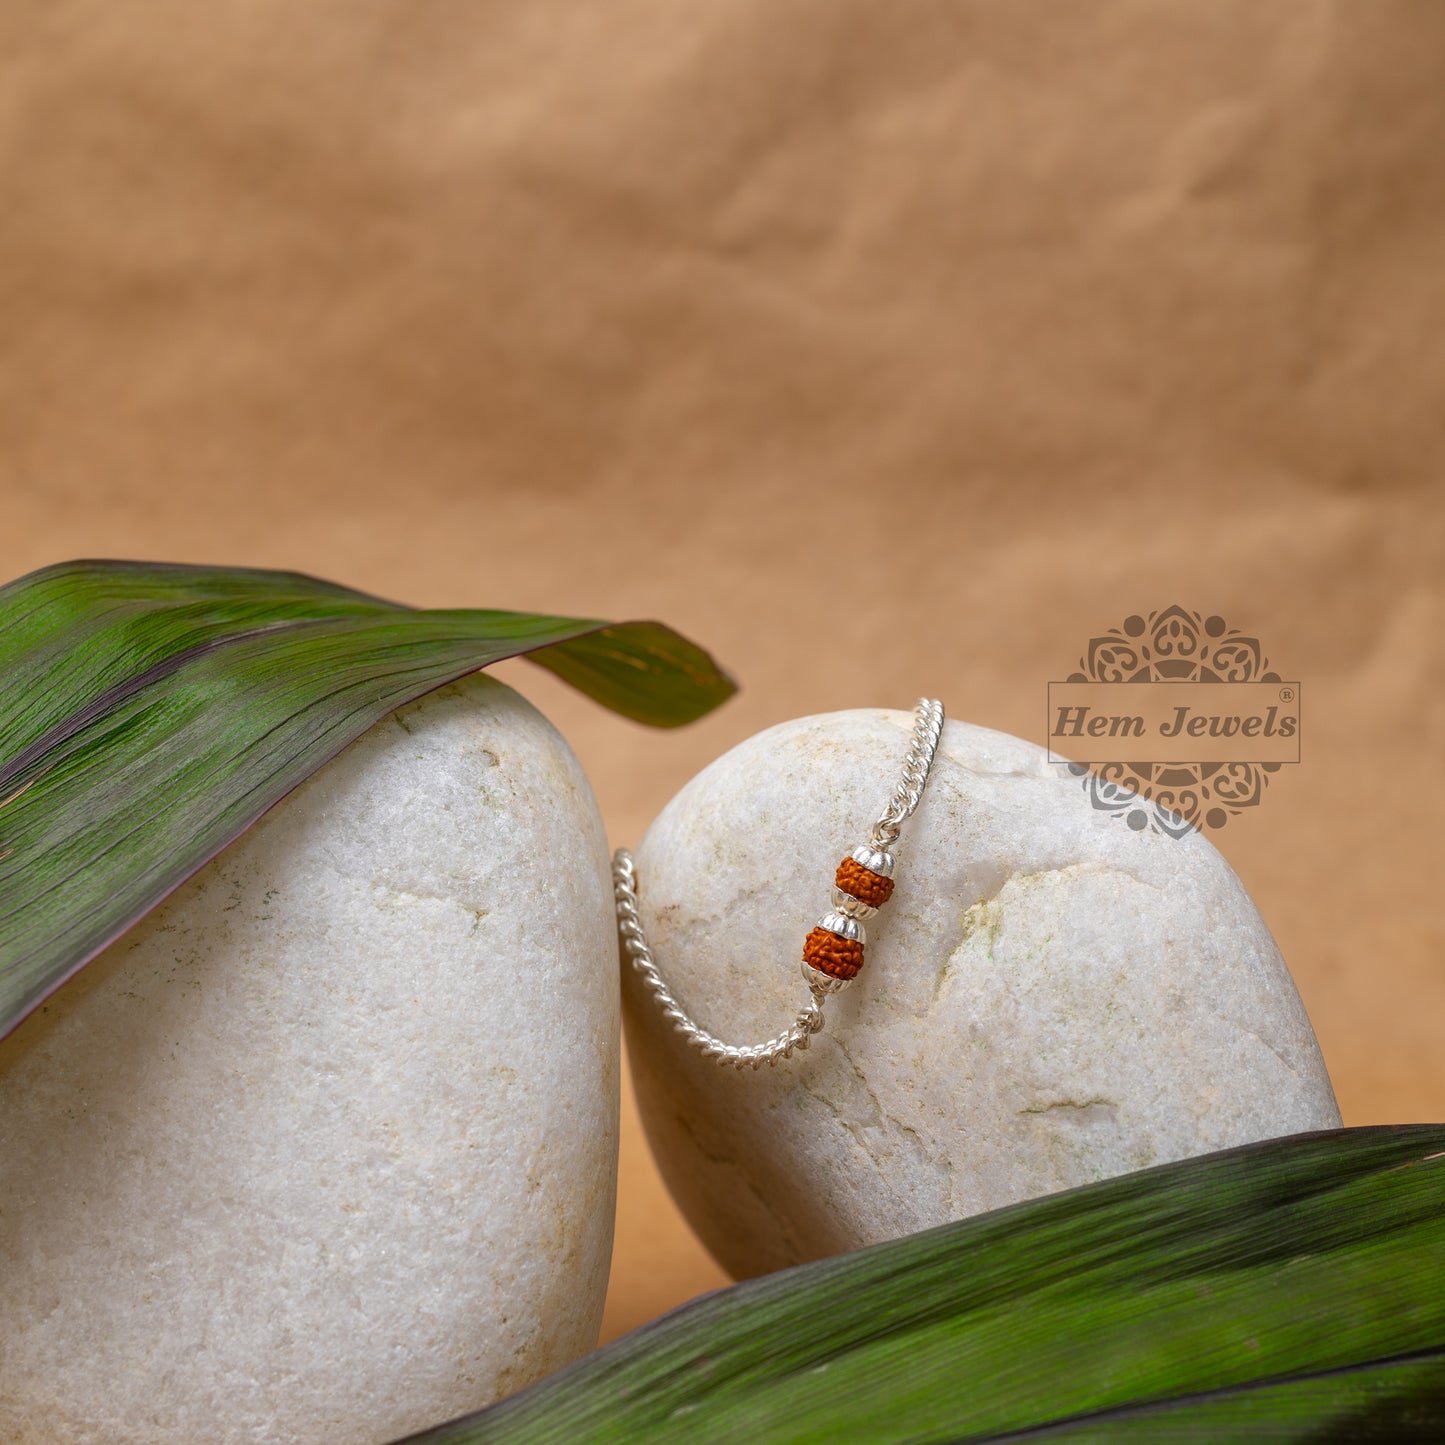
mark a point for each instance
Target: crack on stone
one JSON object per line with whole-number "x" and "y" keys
{"x": 1097, "y": 1108}
{"x": 941, "y": 1168}
{"x": 939, "y": 980}
{"x": 879, "y": 1113}
{"x": 383, "y": 892}
{"x": 987, "y": 914}
{"x": 1039, "y": 768}
{"x": 732, "y": 1169}
{"x": 666, "y": 914}
{"x": 829, "y": 1105}
{"x": 1255, "y": 1034}
{"x": 1128, "y": 873}
{"x": 1089, "y": 865}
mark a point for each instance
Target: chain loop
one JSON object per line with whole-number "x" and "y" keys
{"x": 927, "y": 729}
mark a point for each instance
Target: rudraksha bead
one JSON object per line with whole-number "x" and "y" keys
{"x": 837, "y": 957}
{"x": 863, "y": 883}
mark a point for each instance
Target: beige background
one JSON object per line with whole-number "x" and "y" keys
{"x": 882, "y": 348}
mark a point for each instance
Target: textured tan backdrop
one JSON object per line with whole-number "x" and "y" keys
{"x": 882, "y": 348}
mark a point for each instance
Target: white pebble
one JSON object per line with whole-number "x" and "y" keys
{"x": 325, "y": 1149}
{"x": 1048, "y": 999}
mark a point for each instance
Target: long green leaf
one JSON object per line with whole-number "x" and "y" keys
{"x": 150, "y": 713}
{"x": 1286, "y": 1291}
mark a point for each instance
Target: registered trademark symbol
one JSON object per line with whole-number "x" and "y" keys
{"x": 1286, "y": 694}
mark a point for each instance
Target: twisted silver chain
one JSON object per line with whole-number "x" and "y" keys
{"x": 927, "y": 728}
{"x": 629, "y": 925}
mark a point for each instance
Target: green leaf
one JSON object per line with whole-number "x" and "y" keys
{"x": 150, "y": 713}
{"x": 1286, "y": 1291}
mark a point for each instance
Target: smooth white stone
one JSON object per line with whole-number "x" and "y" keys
{"x": 325, "y": 1150}
{"x": 1048, "y": 999}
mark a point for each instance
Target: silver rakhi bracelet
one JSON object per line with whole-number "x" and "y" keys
{"x": 833, "y": 951}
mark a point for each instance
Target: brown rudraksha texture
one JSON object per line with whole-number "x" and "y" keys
{"x": 837, "y": 957}
{"x": 863, "y": 883}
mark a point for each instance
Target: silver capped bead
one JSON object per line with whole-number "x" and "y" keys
{"x": 875, "y": 860}
{"x": 821, "y": 982}
{"x": 843, "y": 926}
{"x": 851, "y": 907}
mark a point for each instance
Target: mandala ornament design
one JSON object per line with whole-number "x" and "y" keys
{"x": 1174, "y": 645}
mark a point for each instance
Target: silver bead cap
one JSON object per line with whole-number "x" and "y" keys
{"x": 843, "y": 926}
{"x": 851, "y": 907}
{"x": 821, "y": 982}
{"x": 875, "y": 860}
